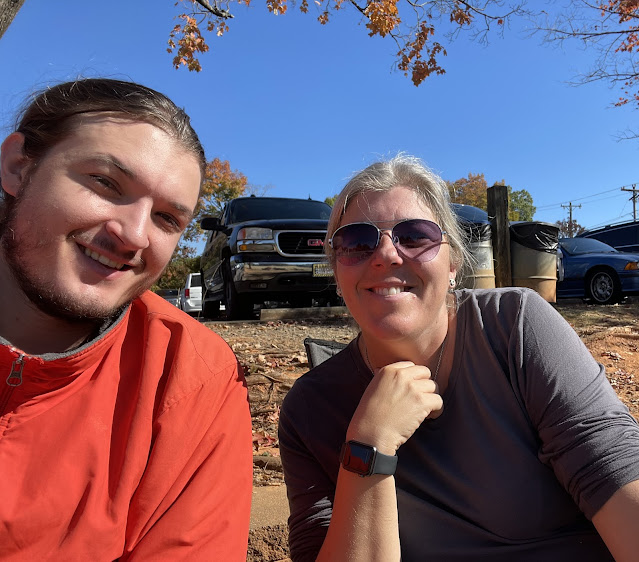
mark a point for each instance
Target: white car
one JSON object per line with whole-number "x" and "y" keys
{"x": 170, "y": 295}
{"x": 191, "y": 294}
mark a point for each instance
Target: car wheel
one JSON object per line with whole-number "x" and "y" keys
{"x": 603, "y": 287}
{"x": 237, "y": 308}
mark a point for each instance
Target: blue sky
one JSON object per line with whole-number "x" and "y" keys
{"x": 298, "y": 107}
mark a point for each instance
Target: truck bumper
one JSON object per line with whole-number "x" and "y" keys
{"x": 278, "y": 277}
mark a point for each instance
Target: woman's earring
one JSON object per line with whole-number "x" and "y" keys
{"x": 338, "y": 291}
{"x": 451, "y": 283}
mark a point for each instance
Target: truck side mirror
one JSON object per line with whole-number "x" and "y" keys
{"x": 210, "y": 223}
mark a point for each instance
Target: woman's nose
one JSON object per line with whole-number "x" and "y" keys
{"x": 386, "y": 252}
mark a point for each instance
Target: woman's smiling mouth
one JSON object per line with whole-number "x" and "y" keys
{"x": 386, "y": 291}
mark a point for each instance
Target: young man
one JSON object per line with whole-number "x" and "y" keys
{"x": 124, "y": 424}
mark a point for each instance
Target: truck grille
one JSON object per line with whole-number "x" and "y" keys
{"x": 293, "y": 243}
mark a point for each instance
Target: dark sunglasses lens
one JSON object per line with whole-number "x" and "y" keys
{"x": 354, "y": 243}
{"x": 418, "y": 239}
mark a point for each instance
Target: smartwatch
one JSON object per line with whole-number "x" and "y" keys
{"x": 366, "y": 460}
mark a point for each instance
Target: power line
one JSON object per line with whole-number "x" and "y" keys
{"x": 556, "y": 205}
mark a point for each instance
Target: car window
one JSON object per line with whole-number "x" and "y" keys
{"x": 168, "y": 292}
{"x": 619, "y": 237}
{"x": 196, "y": 280}
{"x": 266, "y": 208}
{"x": 585, "y": 246}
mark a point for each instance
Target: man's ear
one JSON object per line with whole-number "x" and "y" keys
{"x": 13, "y": 163}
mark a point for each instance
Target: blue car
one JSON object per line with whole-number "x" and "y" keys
{"x": 592, "y": 270}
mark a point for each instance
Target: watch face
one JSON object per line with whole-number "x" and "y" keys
{"x": 358, "y": 458}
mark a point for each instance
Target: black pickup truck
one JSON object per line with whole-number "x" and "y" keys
{"x": 266, "y": 249}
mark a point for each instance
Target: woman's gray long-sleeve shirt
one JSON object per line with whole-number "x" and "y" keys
{"x": 532, "y": 442}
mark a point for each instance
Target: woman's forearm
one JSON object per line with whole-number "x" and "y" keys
{"x": 364, "y": 524}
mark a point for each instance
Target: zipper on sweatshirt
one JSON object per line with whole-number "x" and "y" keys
{"x": 14, "y": 379}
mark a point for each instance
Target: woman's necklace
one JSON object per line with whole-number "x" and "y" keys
{"x": 439, "y": 359}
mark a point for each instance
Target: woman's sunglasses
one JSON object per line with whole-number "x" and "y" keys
{"x": 415, "y": 239}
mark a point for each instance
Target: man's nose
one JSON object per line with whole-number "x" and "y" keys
{"x": 131, "y": 226}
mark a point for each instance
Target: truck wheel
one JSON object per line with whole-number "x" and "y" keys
{"x": 211, "y": 309}
{"x": 301, "y": 301}
{"x": 237, "y": 308}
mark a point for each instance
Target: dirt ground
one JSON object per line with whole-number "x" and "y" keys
{"x": 273, "y": 356}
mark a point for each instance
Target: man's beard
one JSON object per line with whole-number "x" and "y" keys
{"x": 42, "y": 293}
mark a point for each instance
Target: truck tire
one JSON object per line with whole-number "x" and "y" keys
{"x": 211, "y": 309}
{"x": 237, "y": 308}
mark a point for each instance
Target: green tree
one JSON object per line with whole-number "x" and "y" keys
{"x": 520, "y": 203}
{"x": 331, "y": 200}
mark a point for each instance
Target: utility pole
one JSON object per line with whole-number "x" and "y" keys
{"x": 570, "y": 206}
{"x": 634, "y": 200}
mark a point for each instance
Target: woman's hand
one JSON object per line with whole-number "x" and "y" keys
{"x": 398, "y": 399}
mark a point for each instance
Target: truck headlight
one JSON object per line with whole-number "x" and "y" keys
{"x": 255, "y": 239}
{"x": 254, "y": 233}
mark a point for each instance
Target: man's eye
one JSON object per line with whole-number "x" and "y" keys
{"x": 170, "y": 221}
{"x": 103, "y": 181}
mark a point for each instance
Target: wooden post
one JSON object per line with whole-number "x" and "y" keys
{"x": 498, "y": 215}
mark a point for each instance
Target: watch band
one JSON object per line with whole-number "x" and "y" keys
{"x": 366, "y": 460}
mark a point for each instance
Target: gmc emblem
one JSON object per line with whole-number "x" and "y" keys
{"x": 315, "y": 242}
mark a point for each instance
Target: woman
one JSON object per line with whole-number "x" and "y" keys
{"x": 459, "y": 424}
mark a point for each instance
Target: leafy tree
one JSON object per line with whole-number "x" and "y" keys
{"x": 221, "y": 184}
{"x": 610, "y": 30}
{"x": 569, "y": 228}
{"x": 414, "y": 27}
{"x": 520, "y": 202}
{"x": 330, "y": 200}
{"x": 469, "y": 191}
{"x": 179, "y": 267}
{"x": 473, "y": 190}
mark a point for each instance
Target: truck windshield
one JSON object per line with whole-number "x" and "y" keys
{"x": 266, "y": 208}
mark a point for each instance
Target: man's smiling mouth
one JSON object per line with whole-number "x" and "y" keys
{"x": 103, "y": 259}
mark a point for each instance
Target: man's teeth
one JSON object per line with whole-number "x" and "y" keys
{"x": 388, "y": 290}
{"x": 103, "y": 260}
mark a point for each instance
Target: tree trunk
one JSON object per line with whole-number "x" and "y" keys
{"x": 8, "y": 11}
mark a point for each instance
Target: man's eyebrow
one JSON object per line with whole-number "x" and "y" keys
{"x": 110, "y": 160}
{"x": 187, "y": 213}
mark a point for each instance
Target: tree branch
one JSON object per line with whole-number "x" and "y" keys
{"x": 215, "y": 10}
